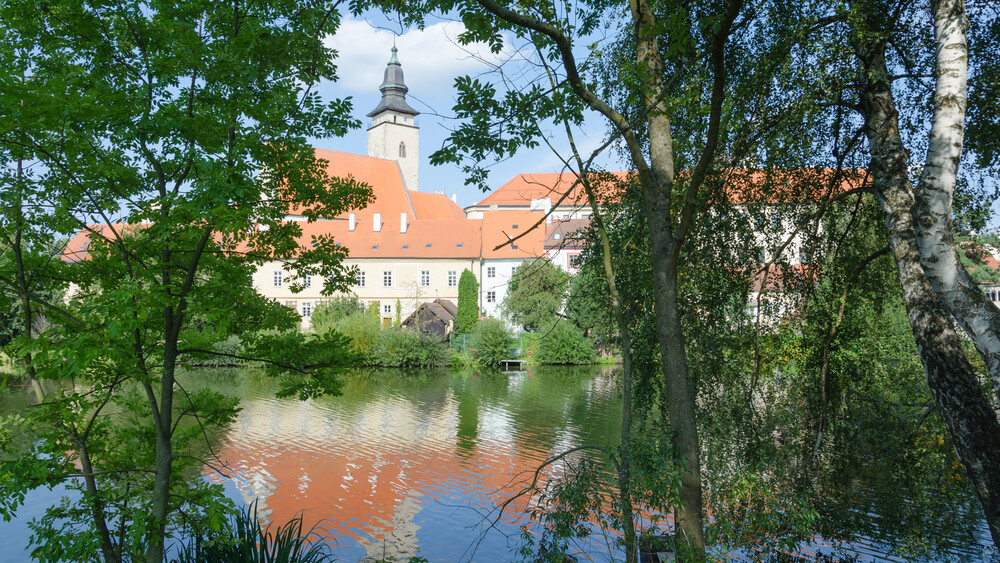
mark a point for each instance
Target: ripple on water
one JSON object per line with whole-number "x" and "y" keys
{"x": 417, "y": 472}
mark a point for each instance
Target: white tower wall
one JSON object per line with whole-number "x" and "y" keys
{"x": 385, "y": 138}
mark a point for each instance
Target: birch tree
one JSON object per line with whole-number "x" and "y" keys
{"x": 936, "y": 287}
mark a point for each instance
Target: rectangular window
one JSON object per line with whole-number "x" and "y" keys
{"x": 425, "y": 278}
{"x": 491, "y": 297}
{"x": 491, "y": 272}
{"x": 387, "y": 278}
{"x": 574, "y": 260}
{"x": 307, "y": 309}
{"x": 361, "y": 279}
{"x": 452, "y": 278}
{"x": 513, "y": 270}
{"x": 387, "y": 309}
{"x": 308, "y": 281}
{"x": 277, "y": 278}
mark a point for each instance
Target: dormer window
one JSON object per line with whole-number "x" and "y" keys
{"x": 402, "y": 150}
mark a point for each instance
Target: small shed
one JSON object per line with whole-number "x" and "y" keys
{"x": 434, "y": 318}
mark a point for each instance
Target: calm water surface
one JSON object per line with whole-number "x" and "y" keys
{"x": 414, "y": 463}
{"x": 410, "y": 463}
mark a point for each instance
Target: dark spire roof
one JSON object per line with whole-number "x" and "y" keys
{"x": 393, "y": 90}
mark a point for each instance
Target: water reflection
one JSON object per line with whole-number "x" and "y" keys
{"x": 414, "y": 463}
{"x": 410, "y": 463}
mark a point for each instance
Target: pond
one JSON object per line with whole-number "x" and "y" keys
{"x": 415, "y": 462}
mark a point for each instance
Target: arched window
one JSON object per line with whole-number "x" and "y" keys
{"x": 402, "y": 150}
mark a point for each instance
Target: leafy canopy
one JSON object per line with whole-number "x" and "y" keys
{"x": 535, "y": 294}
{"x": 173, "y": 134}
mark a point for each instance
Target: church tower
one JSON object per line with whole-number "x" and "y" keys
{"x": 393, "y": 134}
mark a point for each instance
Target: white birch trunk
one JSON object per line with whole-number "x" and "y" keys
{"x": 932, "y": 213}
{"x": 972, "y": 424}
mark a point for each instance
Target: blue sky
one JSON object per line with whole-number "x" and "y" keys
{"x": 431, "y": 60}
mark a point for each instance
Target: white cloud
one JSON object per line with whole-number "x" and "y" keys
{"x": 431, "y": 57}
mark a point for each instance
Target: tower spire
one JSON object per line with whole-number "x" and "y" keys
{"x": 393, "y": 89}
{"x": 393, "y": 134}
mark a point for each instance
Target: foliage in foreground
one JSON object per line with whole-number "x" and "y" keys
{"x": 140, "y": 127}
{"x": 244, "y": 540}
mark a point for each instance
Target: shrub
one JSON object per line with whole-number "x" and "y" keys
{"x": 461, "y": 359}
{"x": 329, "y": 313}
{"x": 404, "y": 348}
{"x": 564, "y": 343}
{"x": 363, "y": 330}
{"x": 491, "y": 342}
{"x": 244, "y": 541}
{"x": 468, "y": 303}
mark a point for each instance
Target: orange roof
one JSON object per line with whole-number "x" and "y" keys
{"x": 523, "y": 188}
{"x": 782, "y": 277}
{"x": 806, "y": 185}
{"x": 500, "y": 226}
{"x": 429, "y": 206}
{"x": 742, "y": 186}
{"x": 422, "y": 239}
{"x": 381, "y": 175}
{"x": 77, "y": 248}
{"x": 386, "y": 182}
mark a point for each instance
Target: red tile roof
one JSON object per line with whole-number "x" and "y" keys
{"x": 428, "y": 206}
{"x": 807, "y": 185}
{"x": 523, "y": 188}
{"x": 77, "y": 248}
{"x": 422, "y": 239}
{"x": 390, "y": 194}
{"x": 381, "y": 175}
{"x": 742, "y": 186}
{"x": 500, "y": 226}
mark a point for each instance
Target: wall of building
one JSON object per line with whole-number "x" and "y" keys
{"x": 388, "y": 131}
{"x": 406, "y": 278}
{"x": 503, "y": 270}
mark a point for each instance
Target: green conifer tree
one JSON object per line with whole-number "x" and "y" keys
{"x": 468, "y": 303}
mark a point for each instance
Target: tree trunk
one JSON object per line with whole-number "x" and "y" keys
{"x": 970, "y": 420}
{"x": 95, "y": 501}
{"x": 977, "y": 315}
{"x": 625, "y": 466}
{"x": 657, "y": 184}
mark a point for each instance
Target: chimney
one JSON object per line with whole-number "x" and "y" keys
{"x": 402, "y": 222}
{"x": 352, "y": 222}
{"x": 454, "y": 198}
{"x": 548, "y": 219}
{"x": 376, "y": 222}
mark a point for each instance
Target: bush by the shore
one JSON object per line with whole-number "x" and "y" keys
{"x": 564, "y": 343}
